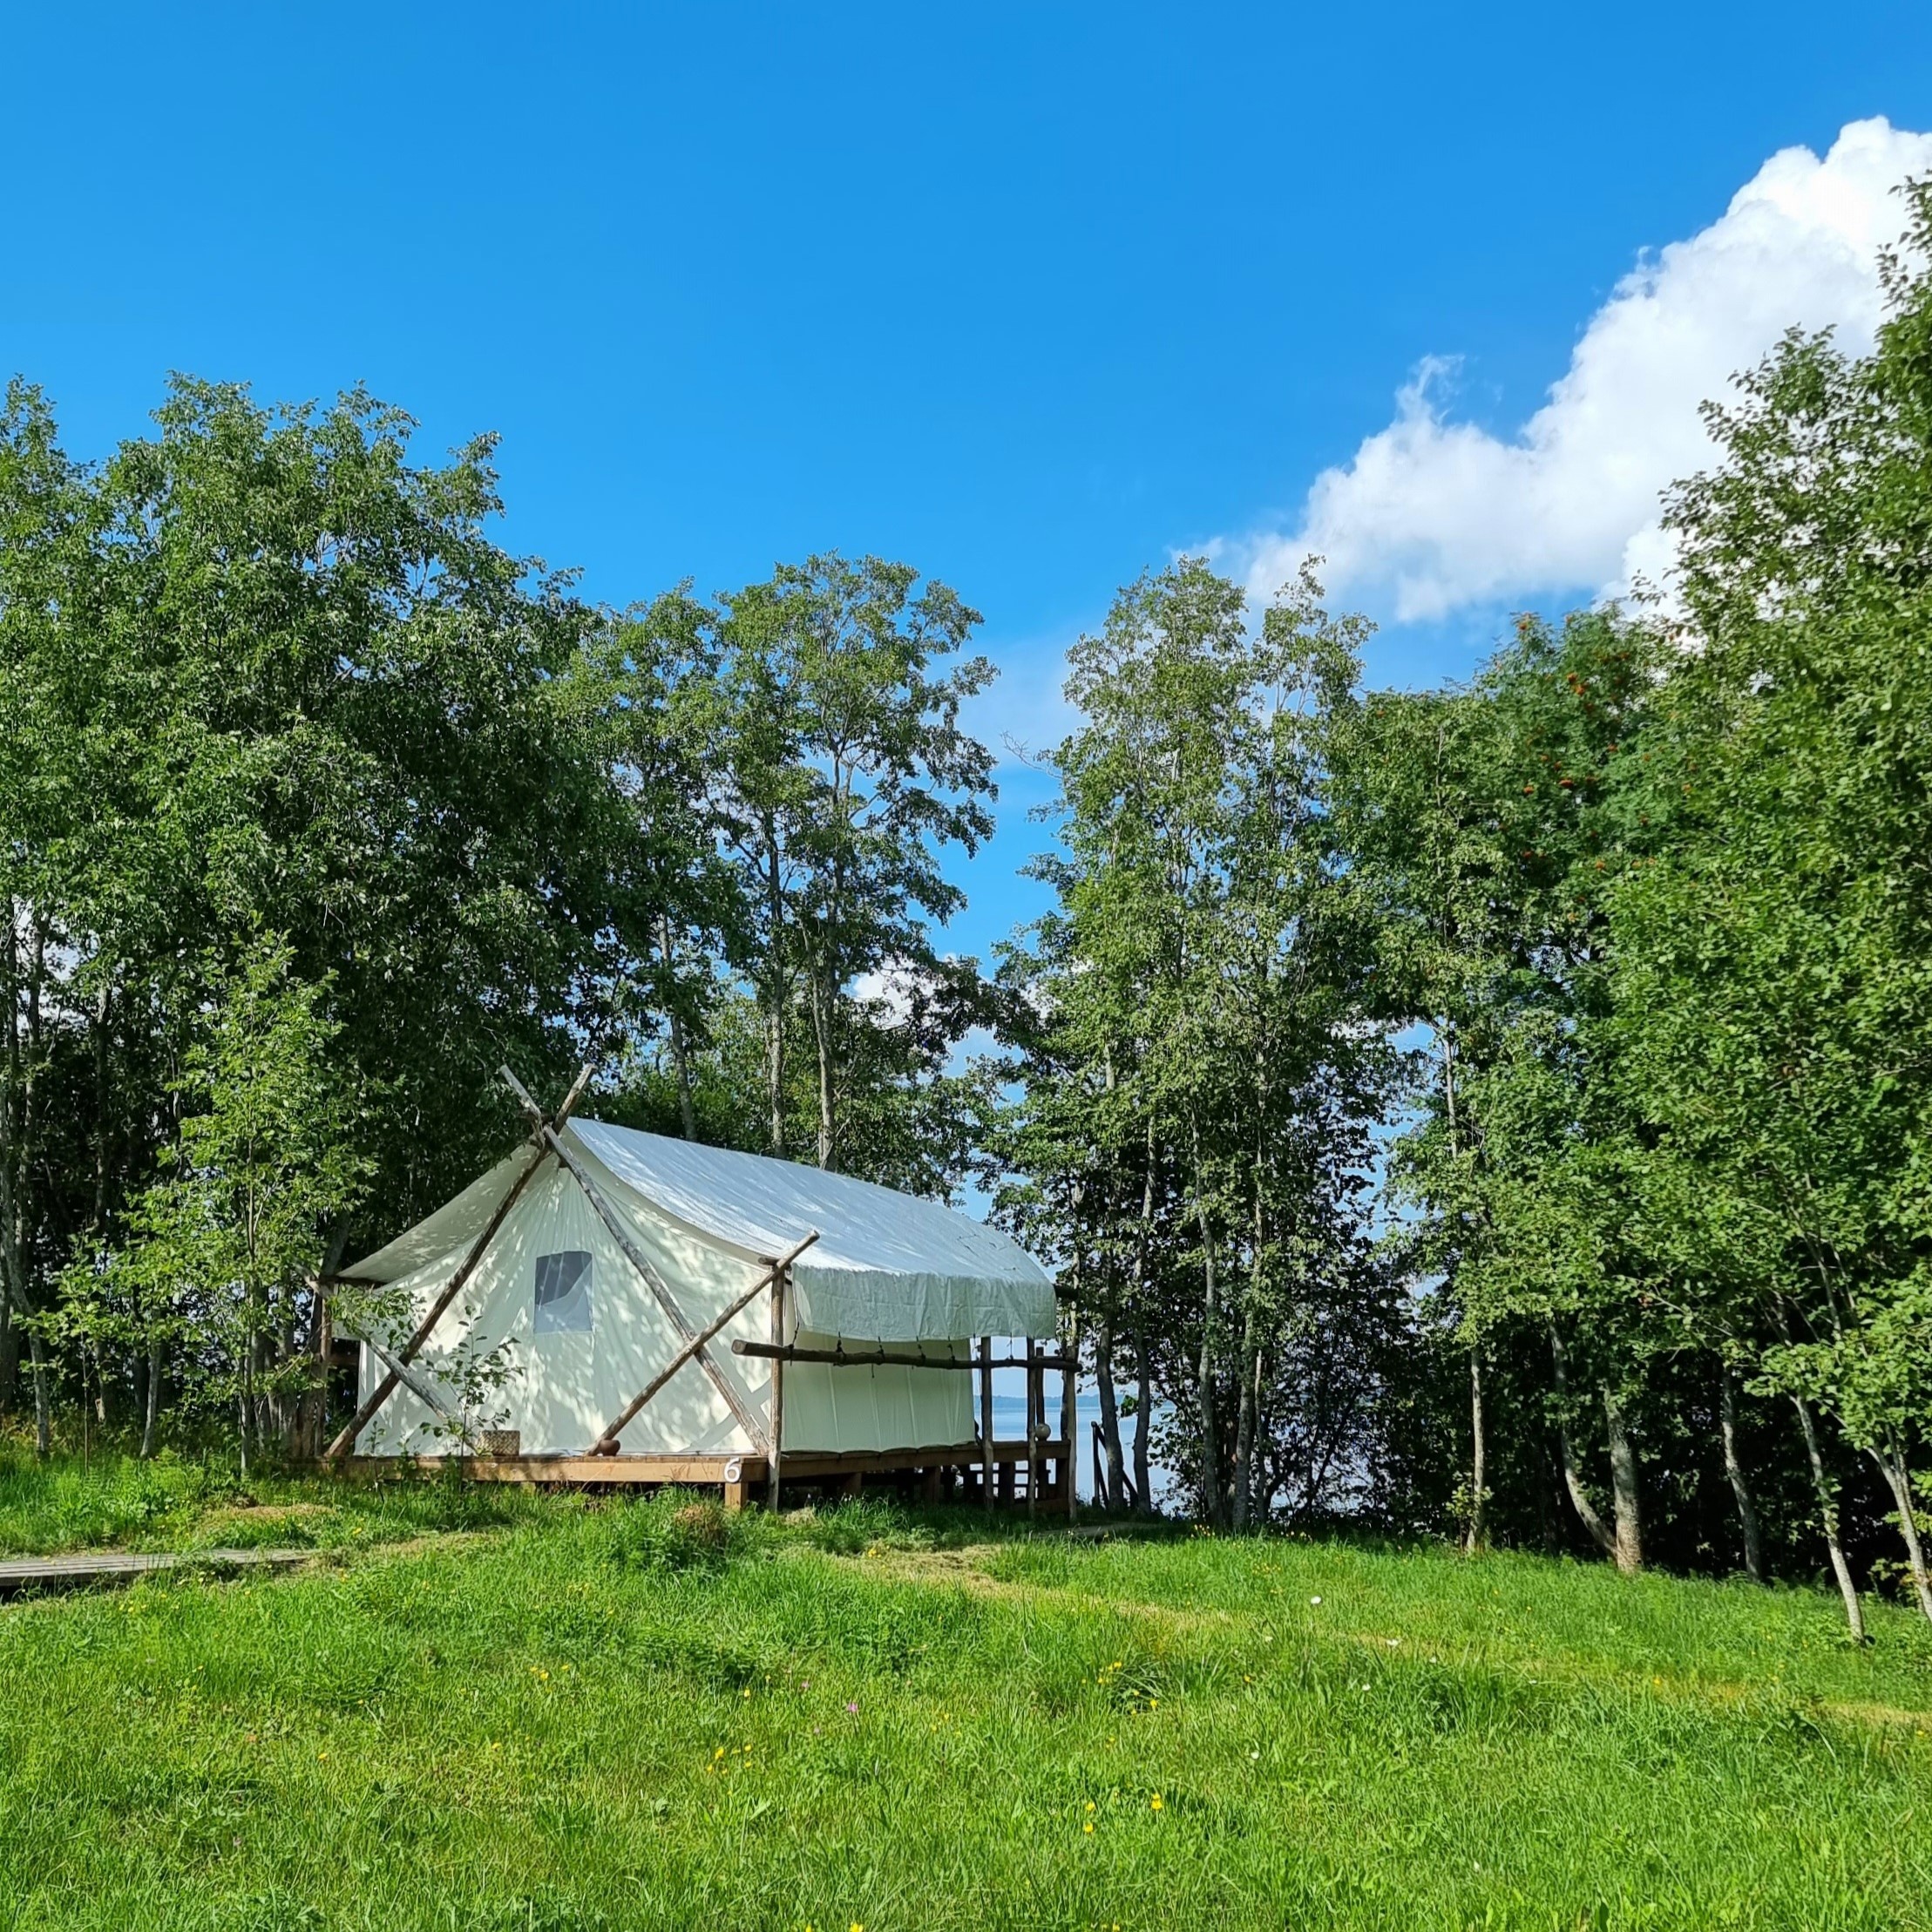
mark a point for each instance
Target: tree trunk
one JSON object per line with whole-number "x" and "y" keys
{"x": 1734, "y": 1468}
{"x": 42, "y": 1399}
{"x": 1827, "y": 1516}
{"x": 822, "y": 999}
{"x": 152, "y": 1408}
{"x": 1478, "y": 1538}
{"x": 1579, "y": 1500}
{"x": 1210, "y": 1442}
{"x": 10, "y": 1354}
{"x": 680, "y": 1058}
{"x": 1143, "y": 1418}
{"x": 1243, "y": 1484}
{"x": 774, "y": 1071}
{"x": 1898, "y": 1480}
{"x": 1623, "y": 1460}
{"x": 1115, "y": 1474}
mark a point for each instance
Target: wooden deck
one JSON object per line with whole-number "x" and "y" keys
{"x": 22, "y": 1574}
{"x": 738, "y": 1476}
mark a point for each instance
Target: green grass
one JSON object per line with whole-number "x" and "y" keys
{"x": 648, "y": 1714}
{"x": 173, "y": 1502}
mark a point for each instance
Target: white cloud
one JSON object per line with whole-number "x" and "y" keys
{"x": 1433, "y": 514}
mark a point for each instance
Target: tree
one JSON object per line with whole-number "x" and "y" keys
{"x": 1200, "y": 1081}
{"x": 1773, "y": 982}
{"x": 221, "y": 1256}
{"x": 842, "y": 771}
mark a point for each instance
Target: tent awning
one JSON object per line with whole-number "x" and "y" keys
{"x": 886, "y": 1266}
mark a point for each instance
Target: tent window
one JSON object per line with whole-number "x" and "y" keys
{"x": 562, "y": 1292}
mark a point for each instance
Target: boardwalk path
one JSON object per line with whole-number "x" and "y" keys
{"x": 21, "y": 1574}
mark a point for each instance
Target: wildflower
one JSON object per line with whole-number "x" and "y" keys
{"x": 1316, "y": 1601}
{"x": 1089, "y": 1804}
{"x": 748, "y": 1690}
{"x": 1089, "y": 1827}
{"x": 853, "y": 1708}
{"x": 719, "y": 1752}
{"x": 1158, "y": 1803}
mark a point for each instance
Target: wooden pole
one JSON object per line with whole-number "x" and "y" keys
{"x": 391, "y": 1381}
{"x": 627, "y": 1246}
{"x": 1036, "y": 1404}
{"x": 606, "y": 1443}
{"x": 779, "y": 1276}
{"x": 841, "y": 1356}
{"x": 986, "y": 1471}
{"x": 1070, "y": 1467}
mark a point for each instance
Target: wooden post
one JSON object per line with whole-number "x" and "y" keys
{"x": 1069, "y": 1464}
{"x": 779, "y": 1277}
{"x": 986, "y": 1477}
{"x": 735, "y": 1485}
{"x": 1036, "y": 1404}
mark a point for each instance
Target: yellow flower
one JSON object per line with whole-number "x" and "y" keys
{"x": 1089, "y": 1827}
{"x": 1159, "y": 1803}
{"x": 1089, "y": 1804}
{"x": 719, "y": 1752}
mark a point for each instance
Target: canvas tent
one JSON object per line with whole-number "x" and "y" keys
{"x": 596, "y": 1253}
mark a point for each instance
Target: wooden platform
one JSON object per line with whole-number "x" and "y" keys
{"x": 21, "y": 1574}
{"x": 739, "y": 1477}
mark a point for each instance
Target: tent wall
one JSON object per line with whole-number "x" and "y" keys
{"x": 563, "y": 1385}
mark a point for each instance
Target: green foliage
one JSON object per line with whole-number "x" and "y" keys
{"x": 220, "y": 1255}
{"x": 1203, "y": 1068}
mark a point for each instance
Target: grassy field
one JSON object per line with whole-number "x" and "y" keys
{"x": 491, "y": 1710}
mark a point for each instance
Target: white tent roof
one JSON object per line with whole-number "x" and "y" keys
{"x": 887, "y": 1266}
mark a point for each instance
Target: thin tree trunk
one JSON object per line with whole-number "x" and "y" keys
{"x": 152, "y": 1411}
{"x": 1734, "y": 1468}
{"x": 1478, "y": 1538}
{"x": 1579, "y": 1500}
{"x": 1898, "y": 1480}
{"x": 43, "y": 1401}
{"x": 1622, "y": 1462}
{"x": 1116, "y": 1471}
{"x": 822, "y": 998}
{"x": 774, "y": 1071}
{"x": 775, "y": 1002}
{"x": 1211, "y": 1443}
{"x": 1827, "y": 1516}
{"x": 680, "y": 1058}
{"x": 1244, "y": 1428}
{"x": 1144, "y": 1419}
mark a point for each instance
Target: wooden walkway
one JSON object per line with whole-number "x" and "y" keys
{"x": 21, "y": 1574}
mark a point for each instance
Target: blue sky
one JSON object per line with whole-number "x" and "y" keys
{"x": 1029, "y": 298}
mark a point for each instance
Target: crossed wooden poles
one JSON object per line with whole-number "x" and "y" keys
{"x": 545, "y": 1141}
